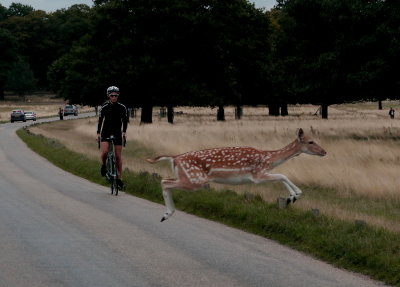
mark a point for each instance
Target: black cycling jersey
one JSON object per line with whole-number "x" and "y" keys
{"x": 113, "y": 119}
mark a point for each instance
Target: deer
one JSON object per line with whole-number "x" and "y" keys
{"x": 194, "y": 170}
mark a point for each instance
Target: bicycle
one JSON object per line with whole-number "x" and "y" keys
{"x": 111, "y": 165}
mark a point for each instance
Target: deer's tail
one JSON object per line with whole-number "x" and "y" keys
{"x": 161, "y": 157}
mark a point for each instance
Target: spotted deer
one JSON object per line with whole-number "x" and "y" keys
{"x": 232, "y": 165}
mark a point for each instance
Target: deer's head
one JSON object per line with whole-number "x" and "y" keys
{"x": 307, "y": 145}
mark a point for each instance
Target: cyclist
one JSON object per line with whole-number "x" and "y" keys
{"x": 113, "y": 120}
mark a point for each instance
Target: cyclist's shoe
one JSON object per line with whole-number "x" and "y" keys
{"x": 103, "y": 170}
{"x": 120, "y": 184}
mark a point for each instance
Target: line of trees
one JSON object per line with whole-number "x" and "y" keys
{"x": 205, "y": 52}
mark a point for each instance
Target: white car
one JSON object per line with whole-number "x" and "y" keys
{"x": 29, "y": 115}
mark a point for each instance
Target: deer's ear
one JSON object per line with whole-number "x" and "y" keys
{"x": 300, "y": 134}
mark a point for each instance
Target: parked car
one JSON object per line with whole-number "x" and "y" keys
{"x": 70, "y": 110}
{"x": 29, "y": 115}
{"x": 18, "y": 115}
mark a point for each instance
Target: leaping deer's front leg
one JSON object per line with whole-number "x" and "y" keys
{"x": 294, "y": 191}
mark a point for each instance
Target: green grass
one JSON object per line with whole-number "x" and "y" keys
{"x": 358, "y": 247}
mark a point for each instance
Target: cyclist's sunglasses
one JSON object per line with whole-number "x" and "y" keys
{"x": 114, "y": 95}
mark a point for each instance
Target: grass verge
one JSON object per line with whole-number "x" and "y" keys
{"x": 354, "y": 246}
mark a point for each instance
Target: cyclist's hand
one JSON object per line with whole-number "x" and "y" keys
{"x": 98, "y": 140}
{"x": 124, "y": 138}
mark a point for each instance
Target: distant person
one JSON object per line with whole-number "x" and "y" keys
{"x": 61, "y": 113}
{"x": 113, "y": 120}
{"x": 391, "y": 113}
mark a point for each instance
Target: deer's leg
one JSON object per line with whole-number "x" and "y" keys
{"x": 294, "y": 191}
{"x": 169, "y": 202}
{"x": 181, "y": 184}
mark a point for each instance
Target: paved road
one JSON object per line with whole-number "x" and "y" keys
{"x": 57, "y": 229}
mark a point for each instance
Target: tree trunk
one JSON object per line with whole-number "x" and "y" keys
{"x": 284, "y": 110}
{"x": 324, "y": 111}
{"x": 2, "y": 94}
{"x": 273, "y": 109}
{"x": 380, "y": 105}
{"x": 170, "y": 114}
{"x": 162, "y": 112}
{"x": 221, "y": 113}
{"x": 238, "y": 112}
{"x": 132, "y": 113}
{"x": 147, "y": 114}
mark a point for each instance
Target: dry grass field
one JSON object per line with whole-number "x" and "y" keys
{"x": 357, "y": 180}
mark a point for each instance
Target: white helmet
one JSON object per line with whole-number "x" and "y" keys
{"x": 112, "y": 89}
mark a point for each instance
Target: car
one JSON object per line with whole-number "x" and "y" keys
{"x": 18, "y": 115}
{"x": 29, "y": 115}
{"x": 70, "y": 110}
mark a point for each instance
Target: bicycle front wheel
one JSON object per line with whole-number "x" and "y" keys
{"x": 114, "y": 186}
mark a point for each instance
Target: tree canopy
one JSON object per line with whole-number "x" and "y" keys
{"x": 208, "y": 52}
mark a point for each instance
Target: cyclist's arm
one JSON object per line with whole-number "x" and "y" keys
{"x": 124, "y": 121}
{"x": 100, "y": 124}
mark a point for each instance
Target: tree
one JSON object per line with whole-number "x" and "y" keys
{"x": 66, "y": 27}
{"x": 20, "y": 79}
{"x": 171, "y": 53}
{"x": 280, "y": 92}
{"x": 329, "y": 47}
{"x": 3, "y": 13}
{"x": 231, "y": 52}
{"x": 7, "y": 56}
{"x": 73, "y": 76}
{"x": 42, "y": 38}
{"x": 18, "y": 9}
{"x": 31, "y": 34}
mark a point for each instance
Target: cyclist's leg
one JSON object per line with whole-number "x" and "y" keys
{"x": 104, "y": 151}
{"x": 118, "y": 157}
{"x": 104, "y": 145}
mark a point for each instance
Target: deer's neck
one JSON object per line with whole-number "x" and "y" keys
{"x": 277, "y": 157}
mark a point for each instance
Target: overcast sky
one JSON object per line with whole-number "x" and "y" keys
{"x": 52, "y": 5}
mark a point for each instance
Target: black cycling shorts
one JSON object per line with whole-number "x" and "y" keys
{"x": 117, "y": 140}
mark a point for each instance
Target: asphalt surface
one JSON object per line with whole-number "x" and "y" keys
{"x": 57, "y": 229}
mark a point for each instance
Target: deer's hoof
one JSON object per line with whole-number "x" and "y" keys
{"x": 165, "y": 217}
{"x": 291, "y": 199}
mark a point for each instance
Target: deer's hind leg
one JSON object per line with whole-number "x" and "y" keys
{"x": 166, "y": 184}
{"x": 183, "y": 182}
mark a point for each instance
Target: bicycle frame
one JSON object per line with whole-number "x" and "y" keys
{"x": 111, "y": 165}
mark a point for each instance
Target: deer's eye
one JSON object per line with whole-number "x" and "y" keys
{"x": 310, "y": 142}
